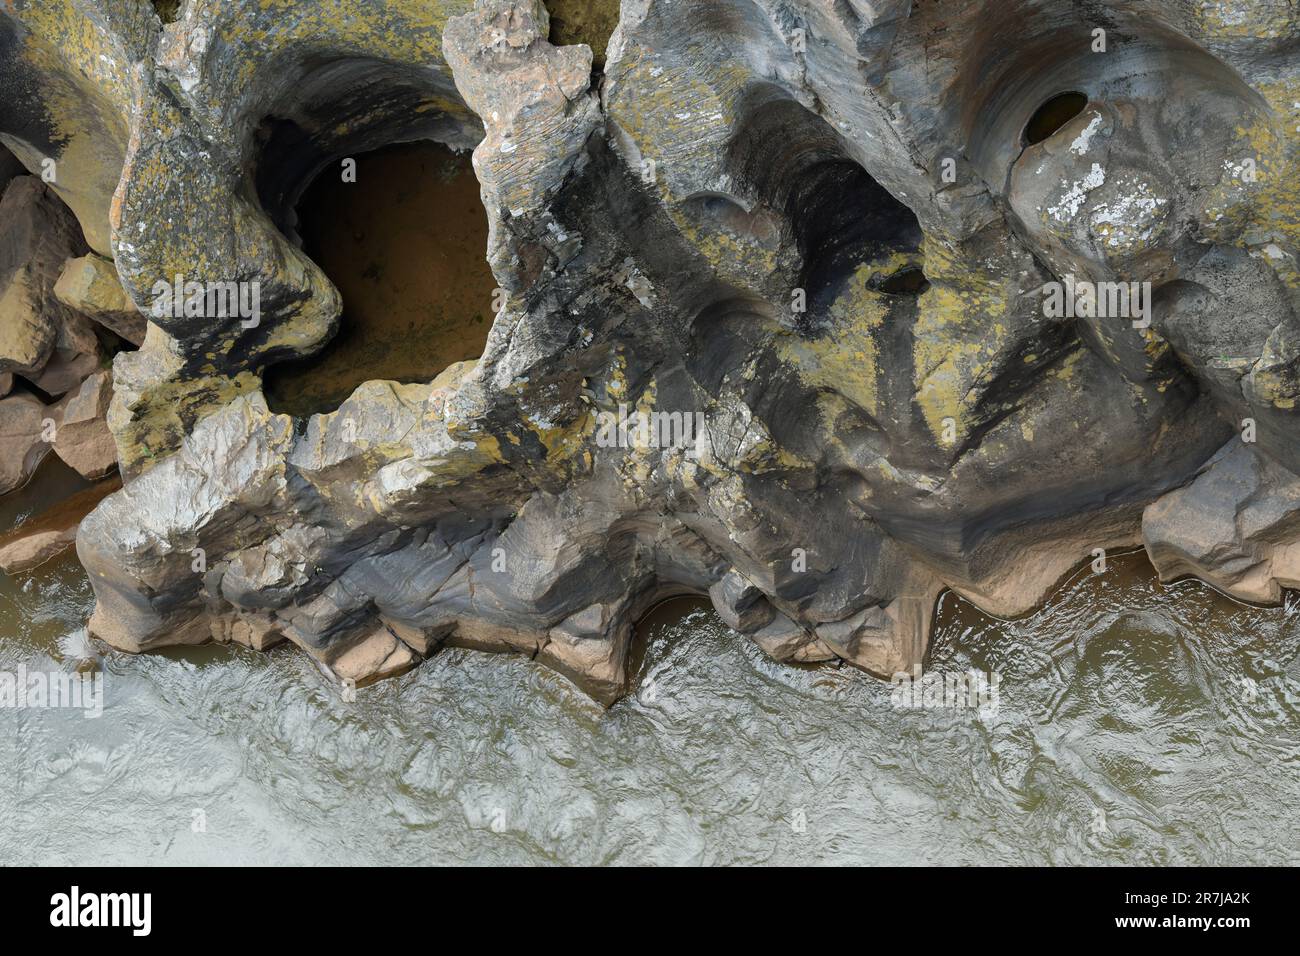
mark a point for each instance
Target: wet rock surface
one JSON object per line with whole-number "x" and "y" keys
{"x": 776, "y": 320}
{"x": 52, "y": 531}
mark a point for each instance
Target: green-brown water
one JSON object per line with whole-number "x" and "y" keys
{"x": 1136, "y": 724}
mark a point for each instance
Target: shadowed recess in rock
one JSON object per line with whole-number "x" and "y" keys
{"x": 51, "y": 483}
{"x": 584, "y": 21}
{"x": 9, "y": 167}
{"x": 908, "y": 281}
{"x": 169, "y": 11}
{"x": 843, "y": 218}
{"x": 794, "y": 162}
{"x": 1052, "y": 115}
{"x": 404, "y": 244}
{"x": 656, "y": 621}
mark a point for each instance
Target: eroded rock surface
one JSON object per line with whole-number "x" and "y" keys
{"x": 809, "y": 244}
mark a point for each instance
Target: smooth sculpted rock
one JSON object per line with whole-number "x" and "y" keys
{"x": 27, "y": 432}
{"x": 1235, "y": 526}
{"x": 818, "y": 309}
{"x": 209, "y": 497}
{"x": 37, "y": 233}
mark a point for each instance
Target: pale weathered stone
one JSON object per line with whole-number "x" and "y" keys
{"x": 33, "y": 550}
{"x": 378, "y": 656}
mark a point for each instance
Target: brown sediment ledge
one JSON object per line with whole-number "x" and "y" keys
{"x": 51, "y": 482}
{"x": 405, "y": 246}
{"x": 52, "y": 531}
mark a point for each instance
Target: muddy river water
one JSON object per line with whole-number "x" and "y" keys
{"x": 1134, "y": 723}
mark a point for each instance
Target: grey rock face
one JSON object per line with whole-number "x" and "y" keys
{"x": 1236, "y": 526}
{"x": 803, "y": 313}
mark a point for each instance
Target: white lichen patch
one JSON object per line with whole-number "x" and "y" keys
{"x": 1080, "y": 144}
{"x": 1131, "y": 219}
{"x": 1068, "y": 206}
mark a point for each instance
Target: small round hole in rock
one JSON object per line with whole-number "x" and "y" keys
{"x": 406, "y": 246}
{"x": 1052, "y": 115}
{"x": 909, "y": 280}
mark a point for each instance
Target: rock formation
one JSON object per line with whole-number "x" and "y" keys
{"x": 53, "y": 337}
{"x": 818, "y": 307}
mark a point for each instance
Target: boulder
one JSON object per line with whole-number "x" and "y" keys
{"x": 37, "y": 235}
{"x": 741, "y": 605}
{"x": 89, "y": 285}
{"x": 83, "y": 441}
{"x": 27, "y": 427}
{"x": 65, "y": 372}
{"x": 378, "y": 655}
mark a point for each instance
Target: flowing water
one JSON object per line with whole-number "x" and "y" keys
{"x": 1134, "y": 723}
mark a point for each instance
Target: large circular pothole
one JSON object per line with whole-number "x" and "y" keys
{"x": 405, "y": 245}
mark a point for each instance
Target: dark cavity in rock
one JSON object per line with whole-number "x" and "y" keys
{"x": 1052, "y": 115}
{"x": 405, "y": 245}
{"x": 584, "y": 21}
{"x": 842, "y": 218}
{"x": 169, "y": 11}
{"x": 910, "y": 280}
